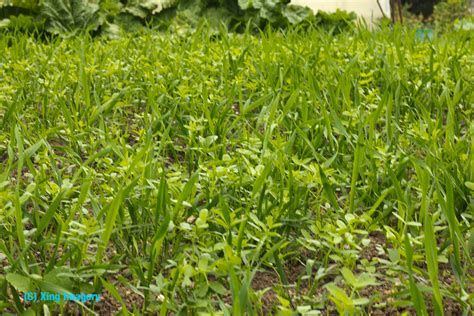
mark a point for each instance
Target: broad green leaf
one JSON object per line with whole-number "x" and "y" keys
{"x": 20, "y": 282}
{"x": 349, "y": 276}
{"x": 218, "y": 288}
{"x": 469, "y": 185}
{"x": 70, "y": 16}
{"x": 340, "y": 298}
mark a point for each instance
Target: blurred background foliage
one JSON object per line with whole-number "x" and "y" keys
{"x": 436, "y": 13}
{"x": 113, "y": 17}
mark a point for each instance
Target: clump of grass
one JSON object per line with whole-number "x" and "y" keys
{"x": 171, "y": 172}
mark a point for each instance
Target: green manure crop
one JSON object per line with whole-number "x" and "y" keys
{"x": 284, "y": 173}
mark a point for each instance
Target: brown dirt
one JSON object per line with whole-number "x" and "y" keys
{"x": 376, "y": 239}
{"x": 236, "y": 108}
{"x": 266, "y": 280}
{"x": 108, "y": 305}
{"x": 385, "y": 292}
{"x": 58, "y": 145}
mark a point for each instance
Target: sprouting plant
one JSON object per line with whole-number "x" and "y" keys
{"x": 279, "y": 171}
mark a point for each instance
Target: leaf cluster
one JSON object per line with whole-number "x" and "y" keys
{"x": 113, "y": 17}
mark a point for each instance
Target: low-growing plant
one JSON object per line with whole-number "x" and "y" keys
{"x": 277, "y": 172}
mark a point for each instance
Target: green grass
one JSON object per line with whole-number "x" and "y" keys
{"x": 283, "y": 172}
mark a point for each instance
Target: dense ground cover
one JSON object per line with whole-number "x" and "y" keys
{"x": 239, "y": 173}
